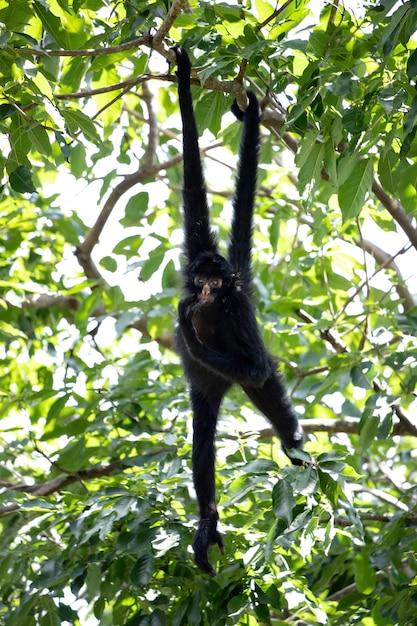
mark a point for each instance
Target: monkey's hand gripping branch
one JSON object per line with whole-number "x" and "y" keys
{"x": 183, "y": 67}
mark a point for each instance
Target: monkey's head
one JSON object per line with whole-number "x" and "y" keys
{"x": 209, "y": 277}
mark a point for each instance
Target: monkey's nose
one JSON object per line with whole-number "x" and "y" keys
{"x": 206, "y": 291}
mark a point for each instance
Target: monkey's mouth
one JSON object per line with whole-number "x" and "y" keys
{"x": 205, "y": 298}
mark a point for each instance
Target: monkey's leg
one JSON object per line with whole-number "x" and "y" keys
{"x": 272, "y": 400}
{"x": 205, "y": 413}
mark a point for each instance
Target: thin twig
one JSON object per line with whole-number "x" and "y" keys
{"x": 172, "y": 15}
{"x": 130, "y": 45}
{"x": 386, "y": 260}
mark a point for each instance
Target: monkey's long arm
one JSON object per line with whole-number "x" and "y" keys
{"x": 244, "y": 198}
{"x": 198, "y": 234}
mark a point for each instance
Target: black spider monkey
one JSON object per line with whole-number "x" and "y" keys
{"x": 217, "y": 335}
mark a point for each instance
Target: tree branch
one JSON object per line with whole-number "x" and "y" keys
{"x": 129, "y": 45}
{"x": 175, "y": 9}
{"x": 397, "y": 212}
{"x": 58, "y": 483}
{"x": 326, "y": 334}
{"x": 273, "y": 16}
{"x": 84, "y": 250}
{"x": 63, "y": 480}
{"x": 348, "y": 425}
{"x": 44, "y": 301}
{"x": 147, "y": 169}
{"x": 72, "y": 304}
{"x": 380, "y": 575}
{"x": 148, "y": 160}
{"x": 385, "y": 260}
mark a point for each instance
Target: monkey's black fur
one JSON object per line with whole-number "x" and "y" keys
{"x": 218, "y": 336}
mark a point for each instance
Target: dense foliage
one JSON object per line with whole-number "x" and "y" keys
{"x": 97, "y": 506}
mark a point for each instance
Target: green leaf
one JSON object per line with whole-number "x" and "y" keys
{"x": 8, "y": 331}
{"x": 16, "y": 14}
{"x": 310, "y": 174}
{"x": 51, "y": 617}
{"x": 77, "y": 120}
{"x": 40, "y": 139}
{"x": 135, "y": 209}
{"x": 21, "y": 180}
{"x": 57, "y": 407}
{"x": 368, "y": 429}
{"x": 88, "y": 305}
{"x": 407, "y": 189}
{"x": 306, "y": 145}
{"x": 392, "y": 98}
{"x": 7, "y": 110}
{"x": 365, "y": 577}
{"x": 169, "y": 276}
{"x": 142, "y": 570}
{"x": 407, "y": 143}
{"x": 98, "y": 608}
{"x": 209, "y": 111}
{"x": 390, "y": 33}
{"x": 330, "y": 163}
{"x": 93, "y": 580}
{"x": 283, "y": 501}
{"x": 261, "y": 466}
{"x": 386, "y": 173}
{"x": 76, "y": 157}
{"x": 332, "y": 467}
{"x": 126, "y": 319}
{"x": 129, "y": 246}
{"x": 75, "y": 455}
{"x": 64, "y": 146}
{"x": 353, "y": 191}
{"x": 411, "y": 117}
{"x": 274, "y": 233}
{"x": 354, "y": 120}
{"x": 306, "y": 481}
{"x": 363, "y": 374}
{"x": 109, "y": 263}
{"x": 152, "y": 265}
{"x": 51, "y": 23}
{"x": 342, "y": 84}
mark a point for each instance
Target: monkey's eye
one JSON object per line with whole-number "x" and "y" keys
{"x": 216, "y": 283}
{"x": 200, "y": 281}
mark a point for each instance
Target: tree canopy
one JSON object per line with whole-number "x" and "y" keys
{"x": 97, "y": 509}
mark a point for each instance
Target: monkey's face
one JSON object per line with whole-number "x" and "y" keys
{"x": 209, "y": 278}
{"x": 208, "y": 287}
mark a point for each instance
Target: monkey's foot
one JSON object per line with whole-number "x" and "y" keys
{"x": 206, "y": 535}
